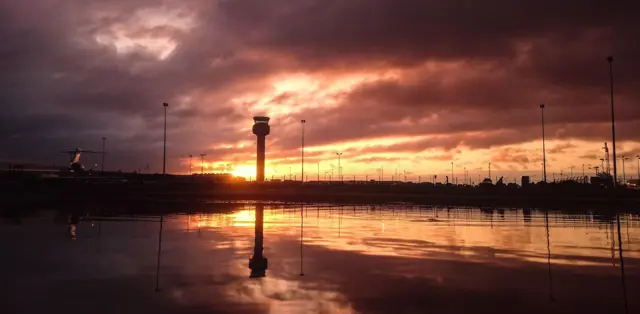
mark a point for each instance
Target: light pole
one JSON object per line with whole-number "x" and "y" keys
{"x": 544, "y": 151}
{"x": 489, "y": 170}
{"x": 602, "y": 164}
{"x": 451, "y": 172}
{"x": 289, "y": 173}
{"x": 318, "y": 171}
{"x": 202, "y": 163}
{"x": 190, "y": 171}
{"x": 464, "y": 169}
{"x": 624, "y": 178}
{"x": 164, "y": 154}
{"x": 339, "y": 168}
{"x": 104, "y": 145}
{"x": 302, "y": 122}
{"x": 638, "y": 167}
{"x": 613, "y": 123}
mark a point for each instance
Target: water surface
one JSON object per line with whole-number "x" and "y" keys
{"x": 354, "y": 259}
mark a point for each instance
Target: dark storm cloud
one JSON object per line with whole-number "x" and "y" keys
{"x": 59, "y": 84}
{"x": 542, "y": 51}
{"x": 409, "y": 30}
{"x": 56, "y": 78}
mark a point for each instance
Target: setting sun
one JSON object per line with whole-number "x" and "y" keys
{"x": 245, "y": 171}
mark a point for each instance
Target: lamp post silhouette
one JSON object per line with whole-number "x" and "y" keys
{"x": 202, "y": 163}
{"x": 613, "y": 123}
{"x": 544, "y": 151}
{"x": 261, "y": 129}
{"x": 339, "y": 167}
{"x": 302, "y": 122}
{"x": 624, "y": 177}
{"x": 638, "y": 167}
{"x": 190, "y": 171}
{"x": 452, "y": 173}
{"x": 464, "y": 172}
{"x": 164, "y": 154}
{"x": 104, "y": 145}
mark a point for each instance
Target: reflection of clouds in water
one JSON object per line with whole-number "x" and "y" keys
{"x": 467, "y": 234}
{"x": 285, "y": 296}
{"x": 462, "y": 234}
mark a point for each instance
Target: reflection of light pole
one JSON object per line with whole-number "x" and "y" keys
{"x": 104, "y": 144}
{"x": 164, "y": 155}
{"x": 624, "y": 284}
{"x": 301, "y": 239}
{"x": 159, "y": 251}
{"x": 613, "y": 123}
{"x": 339, "y": 168}
{"x": 544, "y": 151}
{"x": 546, "y": 224}
{"x": 302, "y": 122}
{"x": 202, "y": 163}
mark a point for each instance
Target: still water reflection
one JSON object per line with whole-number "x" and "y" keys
{"x": 323, "y": 259}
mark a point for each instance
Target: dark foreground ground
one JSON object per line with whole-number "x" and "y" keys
{"x": 170, "y": 190}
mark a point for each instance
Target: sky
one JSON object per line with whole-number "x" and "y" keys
{"x": 396, "y": 84}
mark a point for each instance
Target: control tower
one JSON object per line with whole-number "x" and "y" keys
{"x": 261, "y": 129}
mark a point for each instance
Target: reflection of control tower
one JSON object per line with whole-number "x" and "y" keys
{"x": 261, "y": 130}
{"x": 258, "y": 263}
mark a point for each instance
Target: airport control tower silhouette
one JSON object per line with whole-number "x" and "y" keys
{"x": 261, "y": 129}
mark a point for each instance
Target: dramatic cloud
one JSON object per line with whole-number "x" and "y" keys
{"x": 416, "y": 84}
